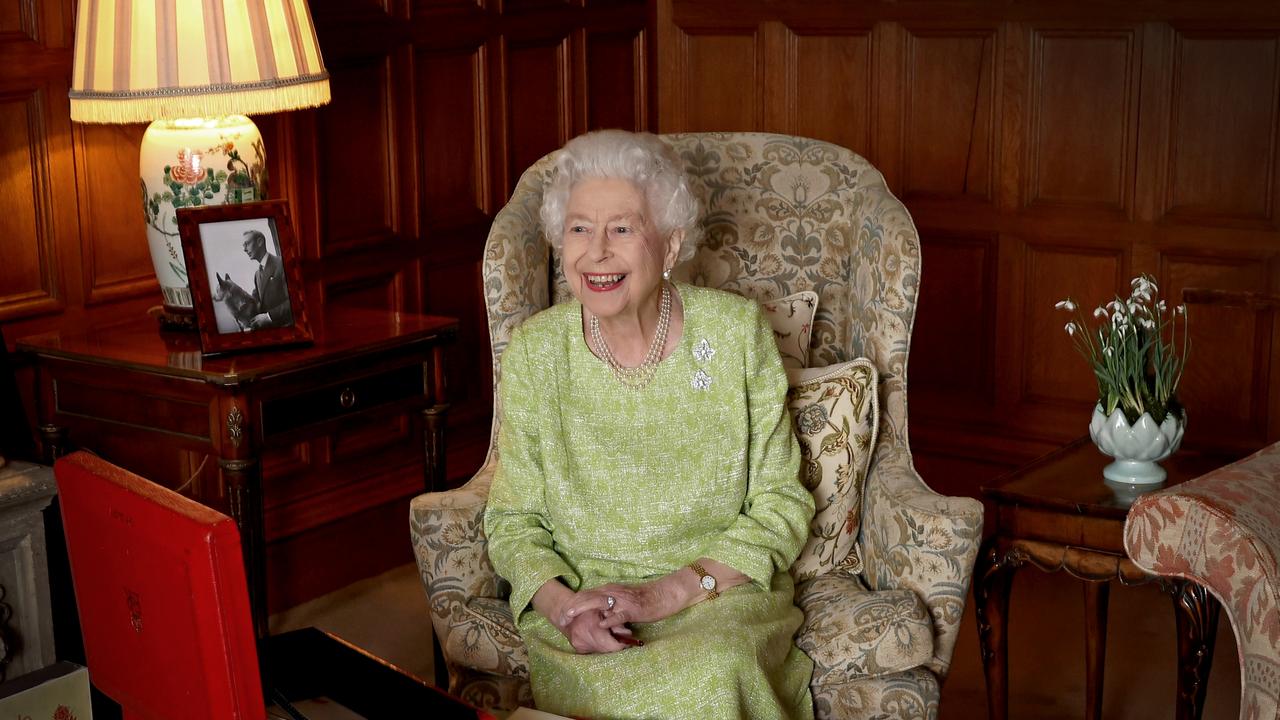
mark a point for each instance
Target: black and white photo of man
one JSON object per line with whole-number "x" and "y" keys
{"x": 270, "y": 294}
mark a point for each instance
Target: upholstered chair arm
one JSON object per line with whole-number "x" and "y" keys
{"x": 447, "y": 530}
{"x": 913, "y": 538}
{"x": 1222, "y": 531}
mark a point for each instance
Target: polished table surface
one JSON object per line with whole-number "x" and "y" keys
{"x": 1059, "y": 514}
{"x": 138, "y": 344}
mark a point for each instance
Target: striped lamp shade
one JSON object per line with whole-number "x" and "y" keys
{"x": 143, "y": 60}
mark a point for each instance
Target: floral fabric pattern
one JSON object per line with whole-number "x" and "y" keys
{"x": 781, "y": 215}
{"x": 834, "y": 411}
{"x": 852, "y": 633}
{"x": 792, "y": 320}
{"x": 1222, "y": 530}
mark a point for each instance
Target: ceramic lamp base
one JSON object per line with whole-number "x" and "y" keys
{"x": 194, "y": 162}
{"x": 1134, "y": 472}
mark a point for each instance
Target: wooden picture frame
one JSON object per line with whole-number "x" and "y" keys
{"x": 235, "y": 254}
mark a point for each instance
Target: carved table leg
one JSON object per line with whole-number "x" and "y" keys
{"x": 993, "y": 580}
{"x": 244, "y": 491}
{"x": 53, "y": 442}
{"x": 1096, "y": 598}
{"x": 1197, "y": 618}
{"x": 433, "y": 447}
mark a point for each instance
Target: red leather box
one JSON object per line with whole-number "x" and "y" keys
{"x": 161, "y": 590}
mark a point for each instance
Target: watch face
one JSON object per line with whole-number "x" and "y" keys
{"x": 708, "y": 583}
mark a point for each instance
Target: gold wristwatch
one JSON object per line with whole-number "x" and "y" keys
{"x": 706, "y": 580}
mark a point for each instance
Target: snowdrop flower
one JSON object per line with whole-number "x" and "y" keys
{"x": 1065, "y": 305}
{"x": 1100, "y": 312}
{"x": 1106, "y": 350}
{"x": 1161, "y": 306}
{"x": 1070, "y": 328}
{"x": 1181, "y": 309}
{"x": 1148, "y": 324}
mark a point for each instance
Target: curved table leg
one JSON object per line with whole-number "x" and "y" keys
{"x": 1197, "y": 617}
{"x": 993, "y": 580}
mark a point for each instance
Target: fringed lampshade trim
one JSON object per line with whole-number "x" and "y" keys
{"x": 210, "y": 101}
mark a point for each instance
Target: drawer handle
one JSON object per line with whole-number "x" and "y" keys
{"x": 346, "y": 398}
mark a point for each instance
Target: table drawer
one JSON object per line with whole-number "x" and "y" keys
{"x": 334, "y": 401}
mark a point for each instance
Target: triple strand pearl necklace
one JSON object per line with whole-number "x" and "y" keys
{"x": 637, "y": 377}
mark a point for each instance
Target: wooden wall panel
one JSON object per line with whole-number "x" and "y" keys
{"x": 957, "y": 298}
{"x": 13, "y": 19}
{"x": 949, "y": 115}
{"x": 723, "y": 86}
{"x": 1083, "y": 118}
{"x": 452, "y": 144}
{"x": 113, "y": 236}
{"x": 1228, "y": 343}
{"x": 538, "y": 94}
{"x": 834, "y": 61}
{"x": 355, "y": 145}
{"x": 382, "y": 291}
{"x": 1223, "y": 140}
{"x": 27, "y": 274}
{"x": 1052, "y": 273}
{"x": 615, "y": 68}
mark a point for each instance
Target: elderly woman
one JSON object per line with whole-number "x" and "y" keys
{"x": 647, "y": 506}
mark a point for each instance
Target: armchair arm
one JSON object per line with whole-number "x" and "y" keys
{"x": 914, "y": 538}
{"x": 1222, "y": 531}
{"x": 447, "y": 530}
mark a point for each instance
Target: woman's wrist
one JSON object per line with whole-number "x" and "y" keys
{"x": 549, "y": 602}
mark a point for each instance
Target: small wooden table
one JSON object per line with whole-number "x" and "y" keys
{"x": 1058, "y": 513}
{"x": 134, "y": 394}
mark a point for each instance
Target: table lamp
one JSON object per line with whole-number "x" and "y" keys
{"x": 194, "y": 69}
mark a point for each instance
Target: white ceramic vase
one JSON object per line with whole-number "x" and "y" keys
{"x": 1138, "y": 447}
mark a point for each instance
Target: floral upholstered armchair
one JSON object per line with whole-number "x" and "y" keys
{"x": 1222, "y": 531}
{"x": 781, "y": 214}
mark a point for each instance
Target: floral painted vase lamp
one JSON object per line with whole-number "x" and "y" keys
{"x": 1137, "y": 349}
{"x": 195, "y": 68}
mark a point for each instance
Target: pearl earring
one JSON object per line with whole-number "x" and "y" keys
{"x": 666, "y": 274}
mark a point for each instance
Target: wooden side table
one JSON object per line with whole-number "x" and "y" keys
{"x": 1058, "y": 513}
{"x": 141, "y": 399}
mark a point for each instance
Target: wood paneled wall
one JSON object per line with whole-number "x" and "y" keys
{"x": 438, "y": 105}
{"x": 1044, "y": 149}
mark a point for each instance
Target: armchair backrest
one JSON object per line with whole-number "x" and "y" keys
{"x": 780, "y": 214}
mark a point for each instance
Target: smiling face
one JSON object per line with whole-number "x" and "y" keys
{"x": 613, "y": 256}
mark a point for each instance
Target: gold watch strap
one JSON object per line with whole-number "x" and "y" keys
{"x": 697, "y": 568}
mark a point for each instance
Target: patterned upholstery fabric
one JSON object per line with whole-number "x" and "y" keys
{"x": 1222, "y": 530}
{"x": 791, "y": 318}
{"x": 834, "y": 414}
{"x": 851, "y": 633}
{"x": 781, "y": 214}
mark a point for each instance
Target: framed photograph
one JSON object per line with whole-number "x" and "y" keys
{"x": 242, "y": 265}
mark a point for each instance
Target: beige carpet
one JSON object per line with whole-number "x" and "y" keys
{"x": 387, "y": 615}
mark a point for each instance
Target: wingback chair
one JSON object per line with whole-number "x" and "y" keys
{"x": 780, "y": 214}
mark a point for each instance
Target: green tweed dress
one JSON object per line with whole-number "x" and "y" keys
{"x": 599, "y": 483}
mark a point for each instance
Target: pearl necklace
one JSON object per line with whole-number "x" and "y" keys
{"x": 637, "y": 377}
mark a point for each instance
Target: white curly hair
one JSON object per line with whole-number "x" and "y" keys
{"x": 640, "y": 158}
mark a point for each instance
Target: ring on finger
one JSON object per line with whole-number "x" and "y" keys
{"x": 609, "y": 602}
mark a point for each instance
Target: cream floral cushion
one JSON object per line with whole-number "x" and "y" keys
{"x": 792, "y": 320}
{"x": 851, "y": 633}
{"x": 835, "y": 415}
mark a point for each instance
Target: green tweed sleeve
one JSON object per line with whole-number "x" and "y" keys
{"x": 768, "y": 534}
{"x": 515, "y": 519}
